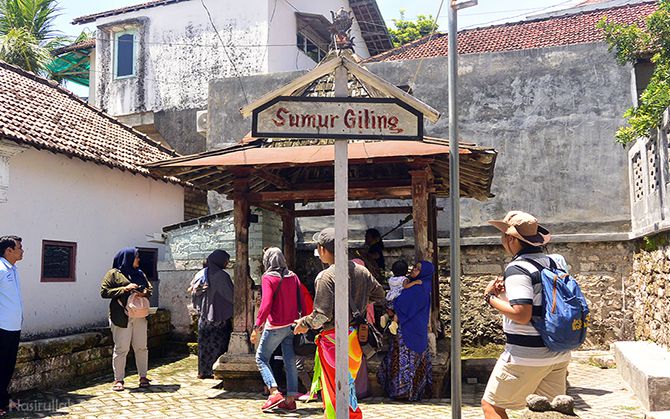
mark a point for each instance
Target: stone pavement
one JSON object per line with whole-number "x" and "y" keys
{"x": 176, "y": 393}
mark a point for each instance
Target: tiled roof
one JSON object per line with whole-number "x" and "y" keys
{"x": 87, "y": 44}
{"x": 147, "y": 5}
{"x": 567, "y": 29}
{"x": 41, "y": 114}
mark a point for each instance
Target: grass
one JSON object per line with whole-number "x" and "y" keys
{"x": 491, "y": 350}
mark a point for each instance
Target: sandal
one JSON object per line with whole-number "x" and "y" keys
{"x": 145, "y": 382}
{"x": 118, "y": 385}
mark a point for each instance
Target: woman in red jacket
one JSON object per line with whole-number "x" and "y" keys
{"x": 280, "y": 291}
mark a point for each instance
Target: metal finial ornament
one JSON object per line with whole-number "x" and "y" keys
{"x": 341, "y": 28}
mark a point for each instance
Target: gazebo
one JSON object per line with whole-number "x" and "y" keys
{"x": 280, "y": 174}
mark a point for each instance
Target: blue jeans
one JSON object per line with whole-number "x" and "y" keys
{"x": 270, "y": 339}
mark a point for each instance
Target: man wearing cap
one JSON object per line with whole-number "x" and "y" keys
{"x": 363, "y": 289}
{"x": 526, "y": 366}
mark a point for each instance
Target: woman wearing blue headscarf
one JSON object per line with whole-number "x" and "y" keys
{"x": 406, "y": 371}
{"x": 119, "y": 283}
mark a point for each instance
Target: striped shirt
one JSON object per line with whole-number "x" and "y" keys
{"x": 524, "y": 344}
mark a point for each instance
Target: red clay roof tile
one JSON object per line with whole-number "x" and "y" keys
{"x": 41, "y": 114}
{"x": 576, "y": 28}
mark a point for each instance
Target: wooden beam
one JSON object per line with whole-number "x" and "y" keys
{"x": 396, "y": 192}
{"x": 274, "y": 208}
{"x": 288, "y": 234}
{"x": 315, "y": 74}
{"x": 364, "y": 75}
{"x": 357, "y": 184}
{"x": 276, "y": 180}
{"x": 354, "y": 211}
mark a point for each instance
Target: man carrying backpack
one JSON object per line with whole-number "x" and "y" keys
{"x": 527, "y": 366}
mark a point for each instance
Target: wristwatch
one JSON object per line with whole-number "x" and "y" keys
{"x": 488, "y": 297}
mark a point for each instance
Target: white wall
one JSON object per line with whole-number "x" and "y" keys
{"x": 103, "y": 210}
{"x": 179, "y": 52}
{"x": 182, "y": 53}
{"x": 284, "y": 28}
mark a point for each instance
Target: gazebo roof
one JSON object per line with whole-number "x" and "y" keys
{"x": 279, "y": 170}
{"x": 302, "y": 170}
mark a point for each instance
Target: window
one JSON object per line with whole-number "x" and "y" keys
{"x": 124, "y": 54}
{"x": 149, "y": 262}
{"x": 59, "y": 261}
{"x": 310, "y": 48}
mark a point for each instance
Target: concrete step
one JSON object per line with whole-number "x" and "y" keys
{"x": 645, "y": 366}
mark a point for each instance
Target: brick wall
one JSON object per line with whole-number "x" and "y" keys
{"x": 195, "y": 203}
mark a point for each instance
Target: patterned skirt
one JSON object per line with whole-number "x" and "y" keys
{"x": 213, "y": 339}
{"x": 405, "y": 374}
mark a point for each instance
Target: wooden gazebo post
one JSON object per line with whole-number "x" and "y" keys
{"x": 288, "y": 233}
{"x": 420, "y": 213}
{"x": 243, "y": 308}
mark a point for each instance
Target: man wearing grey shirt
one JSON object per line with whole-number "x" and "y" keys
{"x": 363, "y": 289}
{"x": 11, "y": 314}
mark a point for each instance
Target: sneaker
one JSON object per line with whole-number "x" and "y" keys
{"x": 272, "y": 402}
{"x": 285, "y": 405}
{"x": 306, "y": 398}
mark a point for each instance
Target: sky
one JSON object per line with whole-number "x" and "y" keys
{"x": 487, "y": 12}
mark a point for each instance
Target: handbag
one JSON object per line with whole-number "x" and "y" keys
{"x": 304, "y": 344}
{"x": 369, "y": 336}
{"x": 137, "y": 306}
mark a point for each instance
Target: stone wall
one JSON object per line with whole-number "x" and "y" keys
{"x": 47, "y": 362}
{"x": 190, "y": 242}
{"x": 602, "y": 270}
{"x": 650, "y": 290}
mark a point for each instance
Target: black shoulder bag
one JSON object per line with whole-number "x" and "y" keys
{"x": 303, "y": 344}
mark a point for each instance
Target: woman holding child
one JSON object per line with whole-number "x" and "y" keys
{"x": 406, "y": 371}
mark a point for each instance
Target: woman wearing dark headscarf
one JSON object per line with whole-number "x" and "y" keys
{"x": 125, "y": 278}
{"x": 213, "y": 297}
{"x": 406, "y": 371}
{"x": 280, "y": 301}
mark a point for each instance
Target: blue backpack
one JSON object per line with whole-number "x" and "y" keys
{"x": 564, "y": 317}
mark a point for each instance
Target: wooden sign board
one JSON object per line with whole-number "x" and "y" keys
{"x": 337, "y": 118}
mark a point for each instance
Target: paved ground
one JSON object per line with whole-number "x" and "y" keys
{"x": 599, "y": 393}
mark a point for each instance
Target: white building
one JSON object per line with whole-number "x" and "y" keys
{"x": 72, "y": 186}
{"x": 159, "y": 56}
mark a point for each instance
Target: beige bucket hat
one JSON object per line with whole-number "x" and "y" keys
{"x": 524, "y": 227}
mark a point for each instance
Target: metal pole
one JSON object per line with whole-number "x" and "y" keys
{"x": 454, "y": 195}
{"x": 341, "y": 262}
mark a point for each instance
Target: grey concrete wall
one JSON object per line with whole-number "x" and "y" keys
{"x": 551, "y": 113}
{"x": 178, "y": 128}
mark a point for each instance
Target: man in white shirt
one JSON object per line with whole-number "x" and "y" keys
{"x": 526, "y": 366}
{"x": 11, "y": 314}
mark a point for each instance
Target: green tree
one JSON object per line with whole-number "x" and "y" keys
{"x": 407, "y": 30}
{"x": 631, "y": 43}
{"x": 27, "y": 34}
